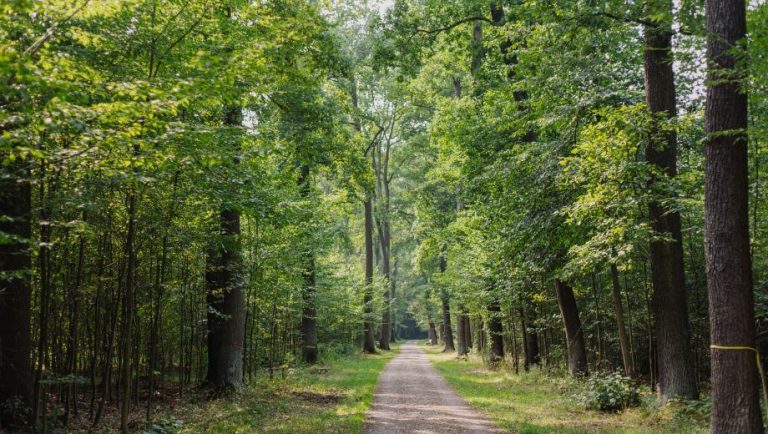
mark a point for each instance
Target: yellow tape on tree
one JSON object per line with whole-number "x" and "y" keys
{"x": 757, "y": 359}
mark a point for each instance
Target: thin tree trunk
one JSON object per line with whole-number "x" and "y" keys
{"x": 735, "y": 381}
{"x": 369, "y": 341}
{"x": 626, "y": 352}
{"x": 128, "y": 312}
{"x": 447, "y": 330}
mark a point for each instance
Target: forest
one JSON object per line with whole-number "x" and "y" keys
{"x": 202, "y": 199}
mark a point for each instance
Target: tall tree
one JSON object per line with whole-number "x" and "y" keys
{"x": 15, "y": 295}
{"x": 670, "y": 304}
{"x": 735, "y": 381}
{"x": 308, "y": 290}
{"x": 224, "y": 281}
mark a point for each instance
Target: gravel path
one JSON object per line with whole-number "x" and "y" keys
{"x": 411, "y": 397}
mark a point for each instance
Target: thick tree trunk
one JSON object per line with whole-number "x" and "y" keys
{"x": 495, "y": 331}
{"x": 15, "y": 296}
{"x": 447, "y": 329}
{"x": 432, "y": 333}
{"x": 369, "y": 341}
{"x": 676, "y": 373}
{"x": 226, "y": 303}
{"x": 460, "y": 335}
{"x": 626, "y": 352}
{"x": 308, "y": 291}
{"x": 574, "y": 334}
{"x": 735, "y": 380}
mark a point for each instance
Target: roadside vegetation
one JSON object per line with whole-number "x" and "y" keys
{"x": 329, "y": 397}
{"x": 543, "y": 402}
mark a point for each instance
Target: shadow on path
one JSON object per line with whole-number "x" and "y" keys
{"x": 411, "y": 397}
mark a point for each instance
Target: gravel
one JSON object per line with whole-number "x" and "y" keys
{"x": 411, "y": 397}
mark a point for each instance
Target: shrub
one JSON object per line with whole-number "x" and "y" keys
{"x": 610, "y": 392}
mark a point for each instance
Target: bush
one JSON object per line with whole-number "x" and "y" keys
{"x": 610, "y": 392}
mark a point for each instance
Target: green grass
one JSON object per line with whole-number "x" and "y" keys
{"x": 330, "y": 398}
{"x": 536, "y": 402}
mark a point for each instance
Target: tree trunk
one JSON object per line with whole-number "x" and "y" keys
{"x": 369, "y": 341}
{"x": 676, "y": 374}
{"x": 15, "y": 295}
{"x": 226, "y": 303}
{"x": 467, "y": 331}
{"x": 432, "y": 333}
{"x": 386, "y": 327}
{"x": 626, "y": 352}
{"x": 531, "y": 341}
{"x": 126, "y": 370}
{"x": 735, "y": 380}
{"x": 577, "y": 352}
{"x": 308, "y": 292}
{"x": 447, "y": 330}
{"x": 460, "y": 335}
{"x": 495, "y": 331}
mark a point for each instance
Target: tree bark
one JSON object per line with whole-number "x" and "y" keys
{"x": 626, "y": 352}
{"x": 15, "y": 296}
{"x": 432, "y": 333}
{"x": 369, "y": 341}
{"x": 495, "y": 331}
{"x": 226, "y": 303}
{"x": 676, "y": 374}
{"x": 735, "y": 380}
{"x": 574, "y": 334}
{"x": 460, "y": 335}
{"x": 447, "y": 330}
{"x": 308, "y": 292}
{"x": 530, "y": 340}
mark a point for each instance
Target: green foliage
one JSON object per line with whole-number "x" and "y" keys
{"x": 609, "y": 392}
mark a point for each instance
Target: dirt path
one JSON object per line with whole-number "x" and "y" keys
{"x": 411, "y": 397}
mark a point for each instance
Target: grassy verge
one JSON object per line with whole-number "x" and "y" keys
{"x": 538, "y": 403}
{"x": 329, "y": 398}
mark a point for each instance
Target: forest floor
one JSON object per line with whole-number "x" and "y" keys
{"x": 538, "y": 402}
{"x": 331, "y": 397}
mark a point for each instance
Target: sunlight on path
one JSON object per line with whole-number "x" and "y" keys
{"x": 411, "y": 397}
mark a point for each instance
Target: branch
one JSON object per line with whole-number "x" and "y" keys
{"x": 180, "y": 38}
{"x": 51, "y": 30}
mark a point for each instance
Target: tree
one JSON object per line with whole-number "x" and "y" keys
{"x": 226, "y": 304}
{"x": 574, "y": 335}
{"x": 735, "y": 382}
{"x": 676, "y": 375}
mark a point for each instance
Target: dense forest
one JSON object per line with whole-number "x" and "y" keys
{"x": 195, "y": 193}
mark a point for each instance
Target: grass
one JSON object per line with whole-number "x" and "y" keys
{"x": 537, "y": 402}
{"x": 329, "y": 398}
